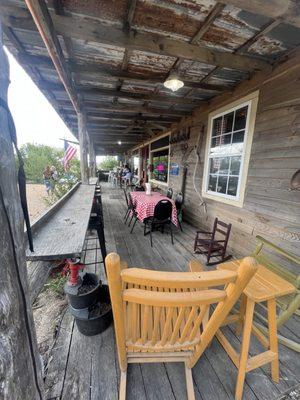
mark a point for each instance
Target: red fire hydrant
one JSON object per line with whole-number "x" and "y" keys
{"x": 75, "y": 266}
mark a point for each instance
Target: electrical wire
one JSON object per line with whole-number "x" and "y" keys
{"x": 196, "y": 148}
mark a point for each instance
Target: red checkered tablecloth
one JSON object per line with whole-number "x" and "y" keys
{"x": 145, "y": 204}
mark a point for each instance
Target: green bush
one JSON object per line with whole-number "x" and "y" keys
{"x": 109, "y": 163}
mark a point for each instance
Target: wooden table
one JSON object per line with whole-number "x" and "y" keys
{"x": 264, "y": 286}
{"x": 145, "y": 205}
{"x": 62, "y": 235}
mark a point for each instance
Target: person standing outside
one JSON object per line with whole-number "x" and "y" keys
{"x": 47, "y": 179}
{"x": 54, "y": 178}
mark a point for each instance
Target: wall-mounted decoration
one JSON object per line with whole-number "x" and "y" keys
{"x": 295, "y": 181}
{"x": 174, "y": 169}
{"x": 181, "y": 136}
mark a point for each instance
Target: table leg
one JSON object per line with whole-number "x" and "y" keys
{"x": 242, "y": 314}
{"x": 273, "y": 340}
{"x": 244, "y": 349}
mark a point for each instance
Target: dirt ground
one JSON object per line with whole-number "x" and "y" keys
{"x": 47, "y": 313}
{"x": 35, "y": 199}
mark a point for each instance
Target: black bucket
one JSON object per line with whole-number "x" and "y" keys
{"x": 93, "y": 320}
{"x": 84, "y": 300}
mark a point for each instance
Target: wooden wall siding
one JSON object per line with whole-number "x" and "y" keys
{"x": 269, "y": 209}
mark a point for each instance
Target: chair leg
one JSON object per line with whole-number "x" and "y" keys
{"x": 273, "y": 338}
{"x": 123, "y": 381}
{"x": 239, "y": 324}
{"x": 180, "y": 226}
{"x": 245, "y": 349}
{"x": 195, "y": 243}
{"x": 133, "y": 225}
{"x": 189, "y": 384}
{"x": 151, "y": 237}
{"x": 131, "y": 219}
{"x": 171, "y": 230}
{"x": 126, "y": 215}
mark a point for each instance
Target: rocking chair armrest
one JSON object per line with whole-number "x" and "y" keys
{"x": 219, "y": 241}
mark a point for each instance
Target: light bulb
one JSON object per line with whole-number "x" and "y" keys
{"x": 173, "y": 83}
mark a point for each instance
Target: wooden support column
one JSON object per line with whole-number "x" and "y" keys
{"x": 140, "y": 171}
{"x": 20, "y": 364}
{"x": 83, "y": 144}
{"x": 92, "y": 158}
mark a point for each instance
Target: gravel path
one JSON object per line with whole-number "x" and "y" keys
{"x": 35, "y": 198}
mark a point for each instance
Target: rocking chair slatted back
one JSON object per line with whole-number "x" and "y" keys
{"x": 161, "y": 312}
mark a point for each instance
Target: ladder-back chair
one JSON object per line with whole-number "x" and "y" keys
{"x": 158, "y": 315}
{"x": 207, "y": 242}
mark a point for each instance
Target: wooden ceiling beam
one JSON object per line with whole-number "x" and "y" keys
{"x": 120, "y": 108}
{"x": 91, "y": 30}
{"x": 44, "y": 24}
{"x": 100, "y": 71}
{"x": 117, "y": 117}
{"x": 215, "y": 12}
{"x": 138, "y": 96}
{"x": 288, "y": 10}
{"x": 86, "y": 90}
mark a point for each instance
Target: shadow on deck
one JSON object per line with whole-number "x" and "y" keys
{"x": 86, "y": 368}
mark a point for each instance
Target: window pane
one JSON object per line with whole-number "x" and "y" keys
{"x": 232, "y": 186}
{"x": 217, "y": 126}
{"x": 222, "y": 184}
{"x": 214, "y": 165}
{"x": 238, "y": 137}
{"x": 227, "y": 123}
{"x": 212, "y": 183}
{"x": 224, "y": 165}
{"x": 240, "y": 118}
{"x": 222, "y": 144}
{"x": 215, "y": 141}
{"x": 235, "y": 165}
{"x": 160, "y": 165}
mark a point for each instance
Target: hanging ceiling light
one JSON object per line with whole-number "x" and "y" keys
{"x": 119, "y": 142}
{"x": 173, "y": 82}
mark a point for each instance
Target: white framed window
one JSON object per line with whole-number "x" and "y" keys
{"x": 228, "y": 147}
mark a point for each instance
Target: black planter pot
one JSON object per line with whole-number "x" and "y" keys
{"x": 92, "y": 320}
{"x": 84, "y": 300}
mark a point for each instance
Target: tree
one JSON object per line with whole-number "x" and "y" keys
{"x": 37, "y": 156}
{"x": 109, "y": 163}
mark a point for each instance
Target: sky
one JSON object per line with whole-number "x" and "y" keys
{"x": 35, "y": 119}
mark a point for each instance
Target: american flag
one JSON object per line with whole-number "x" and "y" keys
{"x": 70, "y": 152}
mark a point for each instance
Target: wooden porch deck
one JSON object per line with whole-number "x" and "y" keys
{"x": 86, "y": 368}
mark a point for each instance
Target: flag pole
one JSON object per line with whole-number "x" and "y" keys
{"x": 70, "y": 141}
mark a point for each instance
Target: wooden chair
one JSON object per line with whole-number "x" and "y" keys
{"x": 207, "y": 243}
{"x": 162, "y": 216}
{"x": 158, "y": 315}
{"x": 133, "y": 212}
{"x": 127, "y": 205}
{"x": 265, "y": 254}
{"x": 170, "y": 193}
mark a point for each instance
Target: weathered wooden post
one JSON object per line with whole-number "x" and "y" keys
{"x": 20, "y": 364}
{"x": 83, "y": 144}
{"x": 92, "y": 158}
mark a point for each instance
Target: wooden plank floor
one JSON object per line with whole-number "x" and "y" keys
{"x": 86, "y": 368}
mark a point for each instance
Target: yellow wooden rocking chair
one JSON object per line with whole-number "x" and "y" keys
{"x": 159, "y": 316}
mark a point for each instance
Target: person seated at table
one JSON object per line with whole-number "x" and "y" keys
{"x": 140, "y": 187}
{"x": 127, "y": 175}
